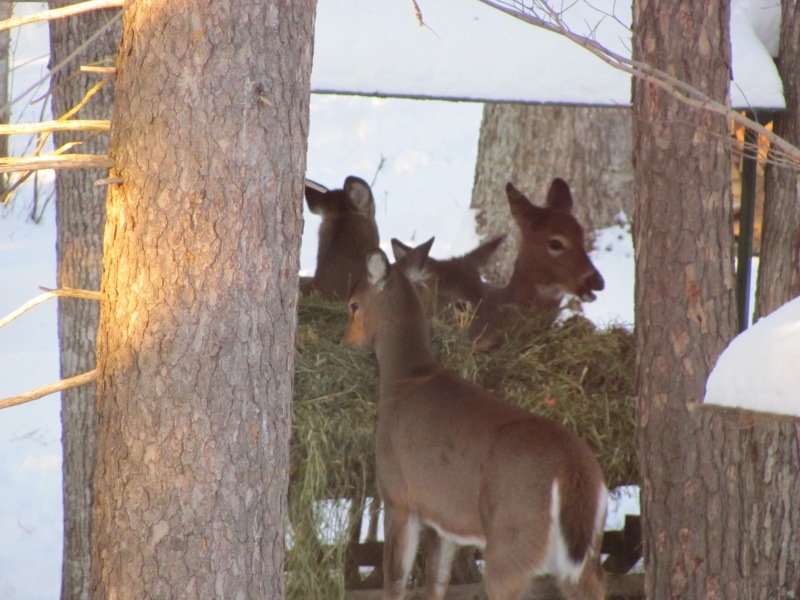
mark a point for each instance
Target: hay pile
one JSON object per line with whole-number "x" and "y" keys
{"x": 571, "y": 372}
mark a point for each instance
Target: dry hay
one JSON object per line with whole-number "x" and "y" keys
{"x": 571, "y": 372}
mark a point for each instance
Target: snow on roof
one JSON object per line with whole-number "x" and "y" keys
{"x": 470, "y": 51}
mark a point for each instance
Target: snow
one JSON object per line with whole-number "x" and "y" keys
{"x": 760, "y": 368}
{"x": 469, "y": 50}
{"x": 423, "y": 189}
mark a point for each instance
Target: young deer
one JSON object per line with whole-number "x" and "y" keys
{"x": 476, "y": 469}
{"x": 452, "y": 280}
{"x": 551, "y": 262}
{"x": 348, "y": 231}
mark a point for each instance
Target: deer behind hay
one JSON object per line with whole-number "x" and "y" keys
{"x": 551, "y": 262}
{"x": 348, "y": 231}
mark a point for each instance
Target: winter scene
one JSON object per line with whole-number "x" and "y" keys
{"x": 546, "y": 337}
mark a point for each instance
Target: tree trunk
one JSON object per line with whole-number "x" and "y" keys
{"x": 778, "y": 279}
{"x": 196, "y": 338}
{"x": 720, "y": 510}
{"x": 80, "y": 216}
{"x": 529, "y": 145}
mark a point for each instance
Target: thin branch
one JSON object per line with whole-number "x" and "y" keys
{"x": 69, "y": 161}
{"x": 89, "y": 41}
{"x": 678, "y": 89}
{"x": 101, "y": 70}
{"x": 68, "y": 292}
{"x": 58, "y": 13}
{"x": 50, "y": 388}
{"x": 48, "y": 126}
{"x": 49, "y": 295}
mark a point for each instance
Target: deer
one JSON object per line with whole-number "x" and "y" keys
{"x": 454, "y": 280}
{"x": 551, "y": 263}
{"x": 474, "y": 468}
{"x": 347, "y": 232}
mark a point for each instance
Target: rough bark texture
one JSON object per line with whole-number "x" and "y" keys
{"x": 80, "y": 214}
{"x": 719, "y": 499}
{"x": 196, "y": 338}
{"x": 529, "y": 145}
{"x": 778, "y": 278}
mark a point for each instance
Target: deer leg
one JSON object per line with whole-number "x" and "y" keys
{"x": 590, "y": 586}
{"x": 399, "y": 550}
{"x": 509, "y": 567}
{"x": 439, "y": 565}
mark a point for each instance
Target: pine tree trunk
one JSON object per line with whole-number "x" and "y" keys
{"x": 196, "y": 338}
{"x": 778, "y": 277}
{"x": 80, "y": 215}
{"x": 529, "y": 145}
{"x": 719, "y": 495}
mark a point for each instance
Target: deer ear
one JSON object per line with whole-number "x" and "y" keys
{"x": 399, "y": 249}
{"x": 481, "y": 255}
{"x": 358, "y": 194}
{"x": 315, "y": 198}
{"x": 559, "y": 197}
{"x": 522, "y": 209}
{"x": 413, "y": 263}
{"x": 377, "y": 268}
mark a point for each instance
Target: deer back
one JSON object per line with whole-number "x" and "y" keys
{"x": 475, "y": 468}
{"x": 347, "y": 232}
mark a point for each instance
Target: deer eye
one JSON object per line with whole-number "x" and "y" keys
{"x": 353, "y": 306}
{"x": 555, "y": 245}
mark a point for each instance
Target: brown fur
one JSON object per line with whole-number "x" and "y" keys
{"x": 348, "y": 231}
{"x": 463, "y": 460}
{"x": 551, "y": 262}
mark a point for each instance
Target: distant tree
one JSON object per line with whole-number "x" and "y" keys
{"x": 80, "y": 216}
{"x": 196, "y": 338}
{"x": 529, "y": 145}
{"x": 779, "y": 264}
{"x": 719, "y": 489}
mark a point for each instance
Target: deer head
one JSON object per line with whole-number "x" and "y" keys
{"x": 348, "y": 231}
{"x": 453, "y": 280}
{"x": 552, "y": 259}
{"x": 476, "y": 469}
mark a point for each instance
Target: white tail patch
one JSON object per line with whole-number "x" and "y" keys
{"x": 557, "y": 561}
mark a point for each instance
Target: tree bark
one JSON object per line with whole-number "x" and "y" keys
{"x": 720, "y": 511}
{"x": 529, "y": 145}
{"x": 80, "y": 217}
{"x": 196, "y": 338}
{"x": 778, "y": 278}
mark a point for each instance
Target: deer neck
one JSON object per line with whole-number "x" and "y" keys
{"x": 530, "y": 286}
{"x": 404, "y": 351}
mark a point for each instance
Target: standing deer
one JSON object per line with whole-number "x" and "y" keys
{"x": 476, "y": 469}
{"x": 551, "y": 262}
{"x": 348, "y": 231}
{"x": 452, "y": 280}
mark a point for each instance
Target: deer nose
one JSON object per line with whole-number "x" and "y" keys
{"x": 595, "y": 281}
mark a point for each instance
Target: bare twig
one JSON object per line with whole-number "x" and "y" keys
{"x": 50, "y": 388}
{"x": 109, "y": 181}
{"x": 101, "y": 70}
{"x": 50, "y": 161}
{"x": 68, "y": 292}
{"x": 49, "y": 295}
{"x": 678, "y": 89}
{"x": 58, "y": 13}
{"x": 420, "y": 21}
{"x": 48, "y": 126}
